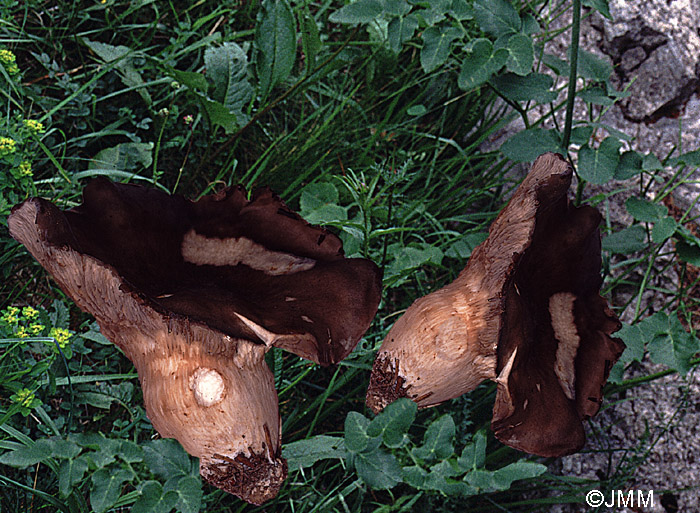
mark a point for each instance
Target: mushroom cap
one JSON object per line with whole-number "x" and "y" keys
{"x": 525, "y": 312}
{"x": 196, "y": 324}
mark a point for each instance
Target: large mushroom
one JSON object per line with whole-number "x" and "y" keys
{"x": 194, "y": 294}
{"x": 525, "y": 312}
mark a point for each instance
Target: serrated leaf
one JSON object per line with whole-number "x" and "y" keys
{"x": 497, "y": 17}
{"x": 378, "y": 469}
{"x": 480, "y": 64}
{"x": 392, "y": 423}
{"x": 644, "y": 210}
{"x": 627, "y": 240}
{"x": 356, "y": 437}
{"x": 521, "y": 54}
{"x": 107, "y": 486}
{"x": 535, "y": 86}
{"x": 188, "y": 493}
{"x": 598, "y": 165}
{"x": 529, "y": 144}
{"x": 275, "y": 39}
{"x": 166, "y": 458}
{"x": 70, "y": 473}
{"x": 152, "y": 499}
{"x": 305, "y": 453}
{"x": 400, "y": 30}
{"x": 362, "y": 11}
{"x": 437, "y": 442}
{"x": 437, "y": 42}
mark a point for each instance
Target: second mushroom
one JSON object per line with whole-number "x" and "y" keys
{"x": 195, "y": 293}
{"x": 525, "y": 312}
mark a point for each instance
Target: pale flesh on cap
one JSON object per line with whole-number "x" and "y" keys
{"x": 197, "y": 331}
{"x": 525, "y": 312}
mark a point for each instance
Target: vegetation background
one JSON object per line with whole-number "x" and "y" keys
{"x": 370, "y": 118}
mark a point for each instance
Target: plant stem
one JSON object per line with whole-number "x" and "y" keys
{"x": 571, "y": 96}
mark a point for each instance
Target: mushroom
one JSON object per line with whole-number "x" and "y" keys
{"x": 525, "y": 312}
{"x": 194, "y": 294}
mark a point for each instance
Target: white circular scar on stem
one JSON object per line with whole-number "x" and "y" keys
{"x": 208, "y": 386}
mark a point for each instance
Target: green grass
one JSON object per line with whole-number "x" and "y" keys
{"x": 394, "y": 149}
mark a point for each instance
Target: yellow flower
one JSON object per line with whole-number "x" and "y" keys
{"x": 36, "y": 328}
{"x": 8, "y": 59}
{"x": 24, "y": 397}
{"x": 25, "y": 168}
{"x": 7, "y": 146}
{"x": 21, "y": 332}
{"x": 28, "y": 311}
{"x": 9, "y": 316}
{"x": 35, "y": 127}
{"x": 62, "y": 336}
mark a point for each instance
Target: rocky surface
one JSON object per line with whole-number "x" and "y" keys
{"x": 654, "y": 46}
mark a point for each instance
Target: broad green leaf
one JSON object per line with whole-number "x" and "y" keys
{"x": 28, "y": 454}
{"x": 188, "y": 491}
{"x": 557, "y": 65}
{"x": 107, "y": 487}
{"x": 630, "y": 165}
{"x": 356, "y": 438}
{"x": 414, "y": 476}
{"x": 378, "y": 469}
{"x": 310, "y": 40}
{"x": 105, "y": 448}
{"x": 689, "y": 253}
{"x": 220, "y": 116}
{"x": 674, "y": 347}
{"x": 464, "y": 246}
{"x": 581, "y": 135}
{"x": 400, "y": 30}
{"x": 437, "y": 42}
{"x": 599, "y": 5}
{"x": 596, "y": 95}
{"x": 305, "y": 453}
{"x": 483, "y": 480}
{"x": 416, "y": 110}
{"x": 530, "y": 25}
{"x": 663, "y": 229}
{"x": 497, "y": 17}
{"x": 362, "y": 11}
{"x": 227, "y": 67}
{"x": 535, "y": 86}
{"x": 692, "y": 159}
{"x": 437, "y": 442}
{"x": 70, "y": 473}
{"x": 529, "y": 144}
{"x": 474, "y": 453}
{"x": 503, "y": 477}
{"x": 124, "y": 156}
{"x": 119, "y": 55}
{"x": 166, "y": 458}
{"x": 396, "y": 7}
{"x": 392, "y": 423}
{"x": 406, "y": 258}
{"x": 592, "y": 67}
{"x": 130, "y": 452}
{"x": 275, "y": 39}
{"x": 461, "y": 10}
{"x": 599, "y": 165}
{"x": 440, "y": 479}
{"x": 319, "y": 204}
{"x": 644, "y": 210}
{"x": 628, "y": 240}
{"x": 633, "y": 337}
{"x": 194, "y": 81}
{"x": 521, "y": 54}
{"x": 651, "y": 162}
{"x": 152, "y": 499}
{"x": 480, "y": 64}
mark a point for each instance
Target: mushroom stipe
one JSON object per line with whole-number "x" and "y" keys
{"x": 525, "y": 312}
{"x": 195, "y": 294}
